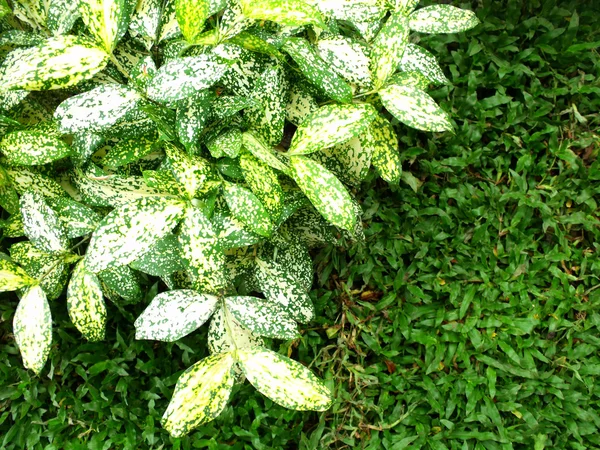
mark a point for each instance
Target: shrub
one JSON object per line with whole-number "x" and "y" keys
{"x": 203, "y": 146}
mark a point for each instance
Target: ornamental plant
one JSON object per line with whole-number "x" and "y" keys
{"x": 203, "y": 146}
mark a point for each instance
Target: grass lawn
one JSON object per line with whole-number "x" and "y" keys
{"x": 469, "y": 318}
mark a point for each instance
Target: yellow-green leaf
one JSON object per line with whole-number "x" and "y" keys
{"x": 284, "y": 12}
{"x": 442, "y": 19}
{"x": 85, "y": 303}
{"x": 41, "y": 224}
{"x": 191, "y": 15}
{"x": 388, "y": 47}
{"x": 107, "y": 20}
{"x": 32, "y": 147}
{"x": 12, "y": 277}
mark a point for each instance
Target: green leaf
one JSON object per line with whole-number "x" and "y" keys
{"x": 106, "y": 20}
{"x": 415, "y": 79}
{"x": 62, "y": 15}
{"x": 316, "y": 70}
{"x": 192, "y": 114}
{"x": 262, "y": 317}
{"x": 331, "y": 125}
{"x": 226, "y": 337}
{"x": 41, "y": 224}
{"x": 182, "y": 77}
{"x": 256, "y": 44}
{"x": 13, "y": 226}
{"x": 325, "y": 191}
{"x": 174, "y": 314}
{"x": 145, "y": 21}
{"x": 98, "y": 109}
{"x": 248, "y": 209}
{"x": 85, "y": 303}
{"x": 296, "y": 263}
{"x": 24, "y": 179}
{"x": 130, "y": 230}
{"x": 284, "y": 12}
{"x": 126, "y": 151}
{"x": 32, "y": 327}
{"x": 191, "y": 15}
{"x": 162, "y": 259}
{"x": 351, "y": 10}
{"x": 12, "y": 277}
{"x": 300, "y": 105}
{"x": 417, "y": 59}
{"x": 58, "y": 63}
{"x": 201, "y": 393}
{"x": 442, "y": 19}
{"x": 347, "y": 58}
{"x": 83, "y": 146}
{"x": 9, "y": 200}
{"x": 227, "y": 143}
{"x": 388, "y": 47}
{"x": 281, "y": 286}
{"x": 285, "y": 381}
{"x": 191, "y": 172}
{"x": 201, "y": 251}
{"x": 415, "y": 108}
{"x": 122, "y": 282}
{"x": 386, "y": 156}
{"x": 32, "y": 147}
{"x": 169, "y": 28}
{"x": 231, "y": 233}
{"x": 261, "y": 151}
{"x": 264, "y": 184}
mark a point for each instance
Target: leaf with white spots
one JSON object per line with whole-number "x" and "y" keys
{"x": 191, "y": 15}
{"x": 58, "y": 63}
{"x": 264, "y": 184}
{"x": 24, "y": 179}
{"x": 172, "y": 315}
{"x": 325, "y": 191}
{"x": 182, "y": 77}
{"x": 192, "y": 114}
{"x": 13, "y": 226}
{"x": 32, "y": 327}
{"x": 200, "y": 395}
{"x": 202, "y": 253}
{"x": 106, "y": 20}
{"x": 442, "y": 19}
{"x": 226, "y": 337}
{"x": 126, "y": 151}
{"x": 261, "y": 151}
{"x": 145, "y": 21}
{"x": 415, "y": 108}
{"x": 284, "y": 12}
{"x": 384, "y": 144}
{"x": 255, "y": 43}
{"x": 300, "y": 104}
{"x": 169, "y": 28}
{"x": 413, "y": 78}
{"x": 12, "y": 277}
{"x": 98, "y": 109}
{"x": 124, "y": 282}
{"x": 163, "y": 180}
{"x": 331, "y": 125}
{"x": 350, "y": 10}
{"x": 62, "y": 15}
{"x": 229, "y": 143}
{"x": 191, "y": 172}
{"x": 231, "y": 233}
{"x": 347, "y": 58}
{"x": 83, "y": 146}
{"x": 262, "y": 317}
{"x": 295, "y": 261}
{"x": 85, "y": 303}
{"x": 417, "y": 59}
{"x": 41, "y": 224}
{"x": 388, "y": 47}
{"x": 229, "y": 105}
{"x": 285, "y": 381}
{"x": 130, "y": 230}
{"x": 32, "y": 147}
{"x": 248, "y": 209}
{"x": 162, "y": 259}
{"x": 316, "y": 70}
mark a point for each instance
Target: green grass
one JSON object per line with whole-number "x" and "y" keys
{"x": 470, "y": 317}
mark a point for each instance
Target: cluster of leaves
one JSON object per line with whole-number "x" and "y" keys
{"x": 148, "y": 140}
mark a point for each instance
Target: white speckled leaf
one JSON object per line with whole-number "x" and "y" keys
{"x": 224, "y": 337}
{"x": 261, "y": 151}
{"x": 316, "y": 70}
{"x": 285, "y": 381}
{"x": 122, "y": 282}
{"x": 24, "y": 179}
{"x": 227, "y": 143}
{"x": 442, "y": 19}
{"x": 190, "y": 171}
{"x": 62, "y": 15}
{"x": 32, "y": 327}
{"x": 417, "y": 59}
{"x": 231, "y": 233}
{"x": 192, "y": 114}
{"x": 32, "y": 147}
{"x": 325, "y": 191}
{"x": 296, "y": 262}
{"x": 145, "y": 21}
{"x": 169, "y": 28}
{"x": 331, "y": 125}
{"x": 12, "y": 277}
{"x": 41, "y": 224}
{"x": 386, "y": 156}
{"x": 58, "y": 63}
{"x": 347, "y": 58}
{"x": 130, "y": 230}
{"x": 98, "y": 109}
{"x": 285, "y": 288}
{"x": 350, "y": 10}
{"x": 106, "y": 20}
{"x": 85, "y": 303}
{"x": 77, "y": 218}
{"x": 388, "y": 47}
{"x": 415, "y": 108}
{"x": 264, "y": 183}
{"x": 248, "y": 209}
{"x": 162, "y": 259}
{"x": 172, "y": 315}
{"x": 262, "y": 317}
{"x": 299, "y": 105}
{"x": 201, "y": 393}
{"x": 125, "y": 151}
{"x": 284, "y": 12}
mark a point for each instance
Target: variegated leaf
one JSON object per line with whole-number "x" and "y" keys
{"x": 295, "y": 260}
{"x": 200, "y": 395}
{"x": 350, "y": 10}
{"x": 58, "y": 63}
{"x": 85, "y": 303}
{"x": 9, "y": 200}
{"x": 248, "y": 209}
{"x": 384, "y": 143}
{"x": 285, "y": 381}
{"x": 83, "y": 146}
{"x": 145, "y": 21}
{"x": 163, "y": 180}
{"x": 192, "y": 114}
{"x": 417, "y": 59}
{"x": 254, "y": 43}
{"x": 41, "y": 224}
{"x": 325, "y": 191}
{"x": 169, "y": 28}
{"x": 98, "y": 109}
{"x": 131, "y": 230}
{"x": 331, "y": 125}
{"x": 260, "y": 150}
{"x": 201, "y": 251}
{"x": 12, "y": 277}
{"x": 24, "y": 179}
{"x": 442, "y": 19}
{"x": 106, "y": 20}
{"x": 191, "y": 172}
{"x": 415, "y": 108}
{"x": 404, "y": 6}
{"x": 229, "y": 105}
{"x": 226, "y": 337}
{"x": 32, "y": 147}
{"x": 227, "y": 143}
{"x": 13, "y": 226}
{"x": 32, "y": 327}
{"x": 10, "y": 99}
{"x": 264, "y": 183}
{"x": 413, "y": 78}
{"x": 233, "y": 21}
{"x": 62, "y": 15}
{"x": 162, "y": 259}
{"x": 388, "y": 47}
{"x": 316, "y": 70}
{"x": 231, "y": 233}
{"x": 172, "y": 315}
{"x": 124, "y": 282}
{"x": 127, "y": 151}
{"x": 182, "y": 77}
{"x": 347, "y": 58}
{"x": 282, "y": 287}
{"x": 284, "y": 12}
{"x": 300, "y": 104}
{"x": 191, "y": 15}
{"x": 262, "y": 317}
{"x": 32, "y": 12}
